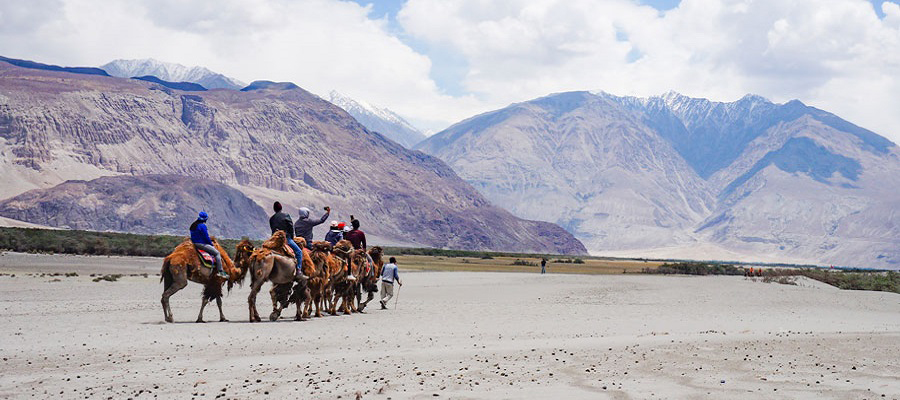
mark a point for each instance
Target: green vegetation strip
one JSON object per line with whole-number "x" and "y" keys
{"x": 848, "y": 279}
{"x": 29, "y": 240}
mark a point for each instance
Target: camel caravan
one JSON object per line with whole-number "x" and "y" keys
{"x": 329, "y": 275}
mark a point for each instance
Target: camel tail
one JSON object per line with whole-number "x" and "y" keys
{"x": 166, "y": 276}
{"x": 212, "y": 290}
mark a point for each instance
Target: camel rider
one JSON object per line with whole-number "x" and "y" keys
{"x": 201, "y": 240}
{"x": 304, "y": 225}
{"x": 281, "y": 221}
{"x": 356, "y": 236}
{"x": 334, "y": 234}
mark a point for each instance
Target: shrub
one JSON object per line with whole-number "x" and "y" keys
{"x": 108, "y": 278}
{"x": 694, "y": 268}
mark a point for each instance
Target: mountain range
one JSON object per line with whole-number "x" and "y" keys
{"x": 270, "y": 141}
{"x": 171, "y": 72}
{"x": 177, "y": 76}
{"x": 676, "y": 176}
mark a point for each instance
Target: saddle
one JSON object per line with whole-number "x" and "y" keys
{"x": 206, "y": 259}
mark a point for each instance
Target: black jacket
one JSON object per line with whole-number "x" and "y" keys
{"x": 281, "y": 221}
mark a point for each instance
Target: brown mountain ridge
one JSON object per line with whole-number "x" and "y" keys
{"x": 275, "y": 142}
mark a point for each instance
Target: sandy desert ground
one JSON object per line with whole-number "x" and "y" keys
{"x": 460, "y": 335}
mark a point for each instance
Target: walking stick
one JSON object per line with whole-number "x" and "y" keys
{"x": 397, "y": 297}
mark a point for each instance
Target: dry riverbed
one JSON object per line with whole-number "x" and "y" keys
{"x": 452, "y": 335}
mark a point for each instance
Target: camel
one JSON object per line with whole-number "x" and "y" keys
{"x": 377, "y": 254}
{"x": 323, "y": 262}
{"x": 273, "y": 262}
{"x": 281, "y": 295}
{"x": 367, "y": 279}
{"x": 184, "y": 264}
{"x": 338, "y": 285}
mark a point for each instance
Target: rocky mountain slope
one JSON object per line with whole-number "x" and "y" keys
{"x": 139, "y": 204}
{"x": 379, "y": 119}
{"x": 676, "y": 176}
{"x": 275, "y": 142}
{"x": 171, "y": 72}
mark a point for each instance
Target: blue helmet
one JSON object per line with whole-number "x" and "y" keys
{"x": 203, "y": 216}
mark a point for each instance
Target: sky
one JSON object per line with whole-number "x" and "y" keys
{"x": 437, "y": 62}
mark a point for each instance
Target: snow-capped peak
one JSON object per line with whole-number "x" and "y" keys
{"x": 379, "y": 119}
{"x": 380, "y": 112}
{"x": 171, "y": 72}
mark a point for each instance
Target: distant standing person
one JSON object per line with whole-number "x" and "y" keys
{"x": 389, "y": 275}
{"x": 304, "y": 225}
{"x": 281, "y": 221}
{"x": 543, "y": 266}
{"x": 356, "y": 236}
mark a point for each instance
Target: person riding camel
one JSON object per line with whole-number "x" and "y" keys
{"x": 356, "y": 236}
{"x": 335, "y": 233}
{"x": 201, "y": 240}
{"x": 304, "y": 225}
{"x": 281, "y": 221}
{"x": 358, "y": 239}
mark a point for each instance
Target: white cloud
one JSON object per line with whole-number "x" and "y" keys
{"x": 319, "y": 44}
{"x": 837, "y": 55}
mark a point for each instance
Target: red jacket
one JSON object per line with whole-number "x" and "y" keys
{"x": 357, "y": 237}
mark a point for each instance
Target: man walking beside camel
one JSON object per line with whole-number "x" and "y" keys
{"x": 389, "y": 275}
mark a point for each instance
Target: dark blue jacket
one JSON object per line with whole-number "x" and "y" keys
{"x": 334, "y": 236}
{"x": 199, "y": 234}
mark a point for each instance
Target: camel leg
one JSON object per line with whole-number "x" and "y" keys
{"x": 221, "y": 314}
{"x": 301, "y": 310}
{"x": 320, "y": 300}
{"x": 362, "y": 306}
{"x": 254, "y": 289}
{"x": 308, "y": 306}
{"x": 177, "y": 285}
{"x": 276, "y": 305}
{"x": 299, "y": 316}
{"x": 346, "y": 299}
{"x": 334, "y": 303}
{"x": 202, "y": 306}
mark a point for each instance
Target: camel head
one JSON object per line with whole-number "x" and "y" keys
{"x": 242, "y": 260}
{"x": 343, "y": 248}
{"x": 376, "y": 252}
{"x": 324, "y": 247}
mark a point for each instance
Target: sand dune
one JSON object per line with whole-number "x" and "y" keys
{"x": 453, "y": 335}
